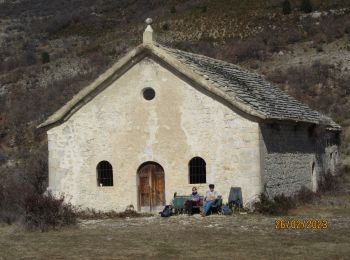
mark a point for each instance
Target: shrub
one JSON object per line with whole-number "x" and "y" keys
{"x": 306, "y": 6}
{"x": 45, "y": 57}
{"x": 292, "y": 35}
{"x": 328, "y": 183}
{"x": 128, "y": 213}
{"x": 264, "y": 205}
{"x": 172, "y": 10}
{"x": 320, "y": 38}
{"x": 305, "y": 196}
{"x": 286, "y": 7}
{"x": 35, "y": 170}
{"x": 347, "y": 27}
{"x": 21, "y": 202}
{"x": 29, "y": 58}
{"x": 279, "y": 205}
{"x": 239, "y": 50}
{"x": 46, "y": 211}
{"x": 165, "y": 26}
{"x": 12, "y": 193}
{"x": 319, "y": 48}
{"x": 333, "y": 27}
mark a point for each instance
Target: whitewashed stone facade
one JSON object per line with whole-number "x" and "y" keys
{"x": 202, "y": 108}
{"x": 120, "y": 126}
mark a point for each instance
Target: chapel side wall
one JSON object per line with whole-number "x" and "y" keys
{"x": 330, "y": 144}
{"x": 290, "y": 152}
{"x": 182, "y": 122}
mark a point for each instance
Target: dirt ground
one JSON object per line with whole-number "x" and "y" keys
{"x": 239, "y": 236}
{"x": 183, "y": 237}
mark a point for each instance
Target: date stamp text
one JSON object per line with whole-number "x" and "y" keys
{"x": 301, "y": 224}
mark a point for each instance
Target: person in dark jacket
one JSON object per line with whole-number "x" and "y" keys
{"x": 193, "y": 200}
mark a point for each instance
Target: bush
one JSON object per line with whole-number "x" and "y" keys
{"x": 45, "y": 57}
{"x": 165, "y": 26}
{"x": 12, "y": 193}
{"x": 306, "y": 6}
{"x": 328, "y": 183}
{"x": 279, "y": 205}
{"x": 305, "y": 196}
{"x": 251, "y": 48}
{"x": 333, "y": 27}
{"x": 21, "y": 203}
{"x": 46, "y": 211}
{"x": 173, "y": 10}
{"x": 29, "y": 58}
{"x": 292, "y": 35}
{"x": 128, "y": 213}
{"x": 286, "y": 7}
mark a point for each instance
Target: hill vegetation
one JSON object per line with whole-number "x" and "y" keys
{"x": 49, "y": 50}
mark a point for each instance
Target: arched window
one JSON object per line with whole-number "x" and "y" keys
{"x": 104, "y": 174}
{"x": 197, "y": 171}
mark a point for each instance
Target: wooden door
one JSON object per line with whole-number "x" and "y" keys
{"x": 151, "y": 187}
{"x": 144, "y": 190}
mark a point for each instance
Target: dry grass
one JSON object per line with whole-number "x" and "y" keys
{"x": 243, "y": 236}
{"x": 128, "y": 213}
{"x": 247, "y": 236}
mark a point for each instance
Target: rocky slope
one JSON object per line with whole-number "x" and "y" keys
{"x": 49, "y": 50}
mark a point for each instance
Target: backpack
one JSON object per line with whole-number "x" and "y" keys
{"x": 225, "y": 210}
{"x": 167, "y": 211}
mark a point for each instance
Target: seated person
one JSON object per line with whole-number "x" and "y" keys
{"x": 209, "y": 199}
{"x": 193, "y": 200}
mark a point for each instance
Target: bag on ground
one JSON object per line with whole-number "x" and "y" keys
{"x": 225, "y": 210}
{"x": 167, "y": 211}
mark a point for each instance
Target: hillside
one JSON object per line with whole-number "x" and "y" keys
{"x": 51, "y": 49}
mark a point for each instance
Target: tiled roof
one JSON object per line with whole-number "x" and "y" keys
{"x": 245, "y": 90}
{"x": 251, "y": 88}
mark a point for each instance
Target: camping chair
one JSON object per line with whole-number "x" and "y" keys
{"x": 235, "y": 198}
{"x": 178, "y": 203}
{"x": 216, "y": 207}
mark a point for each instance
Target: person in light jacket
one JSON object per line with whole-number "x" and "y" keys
{"x": 210, "y": 196}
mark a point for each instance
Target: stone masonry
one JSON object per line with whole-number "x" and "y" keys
{"x": 251, "y": 134}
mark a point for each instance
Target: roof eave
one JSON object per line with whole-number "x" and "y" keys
{"x": 70, "y": 105}
{"x": 129, "y": 59}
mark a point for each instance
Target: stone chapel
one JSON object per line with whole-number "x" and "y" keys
{"x": 162, "y": 120}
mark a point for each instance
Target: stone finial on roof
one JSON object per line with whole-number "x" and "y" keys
{"x": 148, "y": 33}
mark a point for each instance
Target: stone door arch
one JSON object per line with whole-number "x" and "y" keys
{"x": 314, "y": 177}
{"x": 151, "y": 187}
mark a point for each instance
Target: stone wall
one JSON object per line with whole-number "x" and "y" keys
{"x": 290, "y": 160}
{"x": 181, "y": 122}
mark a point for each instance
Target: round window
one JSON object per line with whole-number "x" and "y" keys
{"x": 148, "y": 93}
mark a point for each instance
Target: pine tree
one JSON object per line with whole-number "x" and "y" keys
{"x": 306, "y": 6}
{"x": 286, "y": 7}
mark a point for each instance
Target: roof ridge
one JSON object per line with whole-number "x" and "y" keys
{"x": 257, "y": 92}
{"x": 248, "y": 91}
{"x": 213, "y": 59}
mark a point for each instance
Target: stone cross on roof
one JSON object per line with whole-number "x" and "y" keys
{"x": 148, "y": 33}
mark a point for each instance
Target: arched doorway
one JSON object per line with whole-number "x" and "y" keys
{"x": 151, "y": 187}
{"x": 314, "y": 178}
